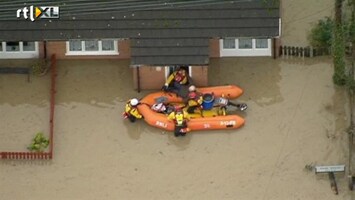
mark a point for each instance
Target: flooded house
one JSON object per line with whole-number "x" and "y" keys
{"x": 155, "y": 37}
{"x": 296, "y": 118}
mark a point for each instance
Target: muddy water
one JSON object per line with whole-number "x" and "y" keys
{"x": 299, "y": 16}
{"x": 295, "y": 117}
{"x": 24, "y": 107}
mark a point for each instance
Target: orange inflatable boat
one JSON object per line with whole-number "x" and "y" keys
{"x": 212, "y": 122}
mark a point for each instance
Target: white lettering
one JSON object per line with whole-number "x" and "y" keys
{"x": 18, "y": 13}
{"x": 228, "y": 123}
{"x": 31, "y": 14}
{"x": 25, "y": 11}
{"x": 162, "y": 124}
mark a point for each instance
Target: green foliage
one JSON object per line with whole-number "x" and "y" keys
{"x": 350, "y": 83}
{"x": 39, "y": 67}
{"x": 269, "y": 4}
{"x": 39, "y": 143}
{"x": 338, "y": 52}
{"x": 352, "y": 29}
{"x": 272, "y": 2}
{"x": 321, "y": 35}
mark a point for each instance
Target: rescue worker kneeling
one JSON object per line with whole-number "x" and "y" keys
{"x": 194, "y": 101}
{"x": 131, "y": 111}
{"x": 180, "y": 118}
{"x": 175, "y": 81}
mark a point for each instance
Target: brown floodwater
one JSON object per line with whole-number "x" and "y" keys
{"x": 296, "y": 117}
{"x": 299, "y": 16}
{"x": 24, "y": 107}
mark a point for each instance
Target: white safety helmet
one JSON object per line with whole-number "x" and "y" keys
{"x": 192, "y": 88}
{"x": 134, "y": 102}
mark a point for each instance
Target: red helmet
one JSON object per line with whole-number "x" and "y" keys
{"x": 192, "y": 95}
{"x": 178, "y": 109}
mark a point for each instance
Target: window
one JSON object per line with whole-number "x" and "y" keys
{"x": 75, "y": 45}
{"x": 108, "y": 45}
{"x": 92, "y": 47}
{"x": 245, "y": 47}
{"x": 29, "y": 46}
{"x": 12, "y": 46}
{"x": 17, "y": 49}
{"x": 245, "y": 43}
{"x": 229, "y": 43}
{"x": 261, "y": 43}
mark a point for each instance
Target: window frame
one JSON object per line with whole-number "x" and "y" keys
{"x": 267, "y": 42}
{"x": 229, "y": 38}
{"x": 98, "y": 52}
{"x": 237, "y": 52}
{"x": 252, "y": 44}
{"x": 4, "y": 54}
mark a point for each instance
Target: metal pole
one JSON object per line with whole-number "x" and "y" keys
{"x": 138, "y": 80}
{"x": 351, "y": 130}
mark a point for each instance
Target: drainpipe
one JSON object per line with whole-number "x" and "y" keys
{"x": 45, "y": 50}
{"x": 275, "y": 48}
{"x": 138, "y": 80}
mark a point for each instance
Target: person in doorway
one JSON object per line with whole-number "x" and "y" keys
{"x": 180, "y": 119}
{"x": 131, "y": 110}
{"x": 194, "y": 101}
{"x": 176, "y": 80}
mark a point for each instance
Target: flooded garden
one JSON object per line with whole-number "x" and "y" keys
{"x": 296, "y": 117}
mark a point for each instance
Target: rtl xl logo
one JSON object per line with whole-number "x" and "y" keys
{"x": 43, "y": 12}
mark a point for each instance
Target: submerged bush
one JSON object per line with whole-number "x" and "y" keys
{"x": 39, "y": 67}
{"x": 338, "y": 52}
{"x": 39, "y": 143}
{"x": 321, "y": 35}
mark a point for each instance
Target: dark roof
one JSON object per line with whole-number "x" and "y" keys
{"x": 162, "y": 32}
{"x": 170, "y": 51}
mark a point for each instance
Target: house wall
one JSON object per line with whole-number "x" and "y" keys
{"x": 150, "y": 77}
{"x": 41, "y": 50}
{"x": 154, "y": 77}
{"x": 199, "y": 75}
{"x": 59, "y": 48}
{"x": 214, "y": 48}
{"x": 276, "y": 47}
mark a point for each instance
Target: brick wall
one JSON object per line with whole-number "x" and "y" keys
{"x": 276, "y": 47}
{"x": 199, "y": 75}
{"x": 41, "y": 50}
{"x": 59, "y": 48}
{"x": 214, "y": 48}
{"x": 150, "y": 77}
